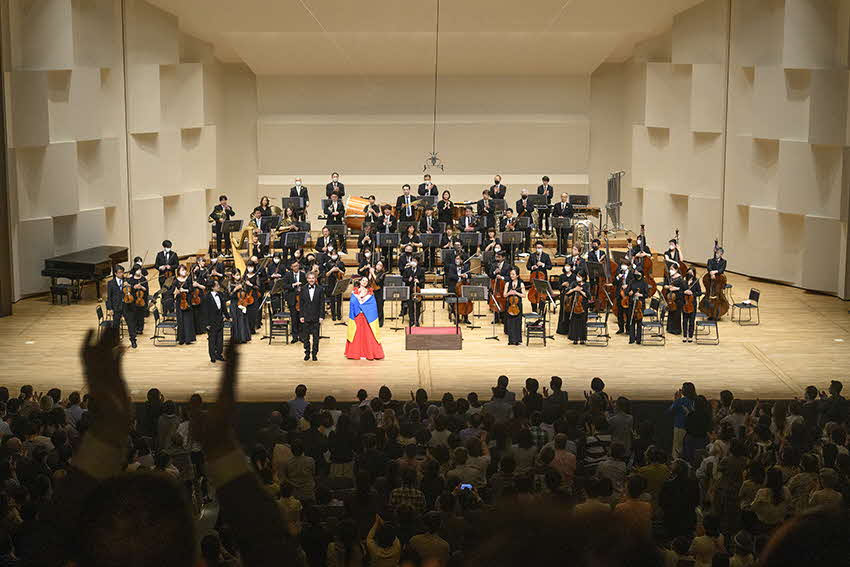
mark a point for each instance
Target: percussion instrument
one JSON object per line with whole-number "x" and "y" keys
{"x": 355, "y": 208}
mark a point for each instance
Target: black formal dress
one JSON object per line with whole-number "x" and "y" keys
{"x": 312, "y": 310}
{"x": 623, "y": 278}
{"x": 255, "y": 317}
{"x": 674, "y": 316}
{"x": 689, "y": 319}
{"x": 240, "y": 332}
{"x": 185, "y": 317}
{"x": 513, "y": 323}
{"x": 201, "y": 277}
{"x": 331, "y": 279}
{"x": 565, "y": 282}
{"x": 215, "y": 308}
{"x": 578, "y": 321}
{"x": 636, "y": 305}
{"x": 446, "y": 212}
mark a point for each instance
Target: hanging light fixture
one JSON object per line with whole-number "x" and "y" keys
{"x": 433, "y": 162}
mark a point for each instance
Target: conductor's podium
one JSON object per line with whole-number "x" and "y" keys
{"x": 433, "y": 338}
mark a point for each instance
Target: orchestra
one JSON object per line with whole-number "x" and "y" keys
{"x": 576, "y": 276}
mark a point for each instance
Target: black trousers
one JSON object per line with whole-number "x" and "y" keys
{"x": 635, "y": 330}
{"x": 294, "y": 317}
{"x": 622, "y": 318}
{"x": 215, "y": 343}
{"x": 310, "y": 330}
{"x": 688, "y": 324}
{"x": 379, "y": 300}
{"x": 414, "y": 311}
{"x": 129, "y": 318}
{"x": 335, "y": 302}
{"x": 222, "y": 237}
{"x": 544, "y": 220}
{"x": 563, "y": 237}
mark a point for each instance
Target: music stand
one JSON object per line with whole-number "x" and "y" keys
{"x": 268, "y": 224}
{"x": 511, "y": 239}
{"x": 431, "y": 241}
{"x": 470, "y": 241}
{"x": 499, "y": 206}
{"x": 339, "y": 288}
{"x": 479, "y": 281}
{"x": 579, "y": 200}
{"x": 538, "y": 201}
{"x": 263, "y": 239}
{"x": 294, "y": 203}
{"x": 446, "y": 256}
{"x": 293, "y": 240}
{"x": 544, "y": 289}
{"x": 475, "y": 293}
{"x": 390, "y": 241}
{"x": 562, "y": 226}
{"x": 232, "y": 226}
{"x": 426, "y": 202}
{"x": 393, "y": 281}
{"x": 338, "y": 230}
{"x": 396, "y": 294}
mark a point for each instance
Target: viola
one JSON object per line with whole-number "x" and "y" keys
{"x": 140, "y": 298}
{"x": 513, "y": 302}
{"x": 578, "y": 303}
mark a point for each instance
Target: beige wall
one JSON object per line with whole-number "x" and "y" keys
{"x": 770, "y": 181}
{"x": 377, "y": 133}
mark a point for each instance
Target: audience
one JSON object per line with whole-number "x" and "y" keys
{"x": 382, "y": 482}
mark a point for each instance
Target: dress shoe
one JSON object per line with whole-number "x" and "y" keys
{"x": 315, "y": 358}
{"x": 220, "y": 358}
{"x": 294, "y": 340}
{"x": 306, "y": 357}
{"x": 212, "y": 360}
{"x": 134, "y": 345}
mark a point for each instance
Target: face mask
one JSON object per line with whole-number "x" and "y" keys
{"x": 497, "y": 249}
{"x": 368, "y": 254}
{"x": 595, "y": 246}
{"x": 298, "y": 184}
{"x": 167, "y": 250}
{"x": 495, "y": 182}
{"x": 578, "y": 280}
{"x": 672, "y": 247}
{"x": 335, "y": 179}
{"x": 277, "y": 260}
{"x": 250, "y": 269}
{"x": 624, "y": 267}
{"x": 539, "y": 250}
{"x": 413, "y": 264}
{"x": 334, "y": 257}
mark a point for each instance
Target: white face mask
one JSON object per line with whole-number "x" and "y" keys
{"x": 539, "y": 250}
{"x": 277, "y": 260}
{"x": 368, "y": 254}
{"x": 624, "y": 267}
{"x": 167, "y": 250}
{"x": 497, "y": 249}
{"x": 672, "y": 247}
{"x": 413, "y": 264}
{"x": 298, "y": 184}
{"x": 250, "y": 269}
{"x": 335, "y": 179}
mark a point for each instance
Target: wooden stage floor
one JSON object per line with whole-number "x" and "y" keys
{"x": 804, "y": 339}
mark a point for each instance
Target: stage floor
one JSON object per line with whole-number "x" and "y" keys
{"x": 804, "y": 339}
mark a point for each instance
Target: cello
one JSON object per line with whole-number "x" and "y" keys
{"x": 462, "y": 309}
{"x": 682, "y": 267}
{"x": 536, "y": 274}
{"x": 497, "y": 295}
{"x": 605, "y": 284}
{"x": 646, "y": 263}
{"x": 714, "y": 303}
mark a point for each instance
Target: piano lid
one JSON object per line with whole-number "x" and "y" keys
{"x": 96, "y": 255}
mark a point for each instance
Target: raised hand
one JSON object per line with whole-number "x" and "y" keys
{"x": 105, "y": 380}
{"x": 214, "y": 428}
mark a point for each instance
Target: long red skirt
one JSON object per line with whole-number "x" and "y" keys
{"x": 364, "y": 344}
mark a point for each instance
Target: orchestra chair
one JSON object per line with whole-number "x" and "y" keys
{"x": 168, "y": 336}
{"x": 653, "y": 310}
{"x": 700, "y": 316}
{"x": 652, "y": 329}
{"x": 103, "y": 322}
{"x": 534, "y": 327}
{"x": 748, "y": 305}
{"x": 60, "y": 291}
{"x": 277, "y": 324}
{"x": 707, "y": 332}
{"x": 597, "y": 331}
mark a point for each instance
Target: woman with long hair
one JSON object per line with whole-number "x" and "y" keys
{"x": 364, "y": 339}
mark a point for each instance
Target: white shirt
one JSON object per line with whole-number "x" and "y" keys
{"x": 217, "y": 300}
{"x": 311, "y": 291}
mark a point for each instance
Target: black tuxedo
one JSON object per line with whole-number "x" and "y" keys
{"x": 486, "y": 213}
{"x": 115, "y": 303}
{"x": 172, "y": 261}
{"x": 215, "y": 316}
{"x": 222, "y": 213}
{"x": 311, "y": 311}
{"x": 453, "y": 275}
{"x": 423, "y": 190}
{"x": 405, "y": 213}
{"x": 563, "y": 210}
{"x": 533, "y": 260}
{"x": 545, "y": 222}
{"x": 385, "y": 226}
{"x": 305, "y": 194}
{"x": 339, "y": 189}
{"x": 413, "y": 276}
{"x": 332, "y": 208}
{"x": 498, "y": 191}
{"x": 597, "y": 256}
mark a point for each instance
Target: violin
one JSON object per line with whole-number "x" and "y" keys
{"x": 670, "y": 298}
{"x": 689, "y": 306}
{"x": 140, "y": 298}
{"x": 128, "y": 293}
{"x": 184, "y": 303}
{"x": 578, "y": 302}
{"x": 513, "y": 302}
{"x": 637, "y": 309}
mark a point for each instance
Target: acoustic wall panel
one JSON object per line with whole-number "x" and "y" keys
{"x": 659, "y": 98}
{"x": 144, "y": 110}
{"x": 28, "y": 94}
{"x": 47, "y": 180}
{"x": 700, "y": 228}
{"x": 151, "y": 34}
{"x": 809, "y": 34}
{"x": 699, "y": 33}
{"x": 777, "y": 243}
{"x": 98, "y": 177}
{"x": 198, "y": 158}
{"x": 740, "y": 113}
{"x": 819, "y": 268}
{"x": 147, "y": 176}
{"x": 35, "y": 238}
{"x": 707, "y": 98}
{"x": 148, "y": 235}
{"x": 810, "y": 179}
{"x": 752, "y": 171}
{"x": 828, "y": 107}
{"x": 757, "y": 31}
{"x": 41, "y": 34}
{"x": 184, "y": 220}
{"x": 93, "y": 28}
{"x": 182, "y": 95}
{"x": 780, "y": 104}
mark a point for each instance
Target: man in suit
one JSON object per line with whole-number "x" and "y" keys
{"x": 565, "y": 210}
{"x": 300, "y": 191}
{"x": 312, "y": 315}
{"x": 486, "y": 212}
{"x": 428, "y": 225}
{"x": 335, "y": 211}
{"x": 293, "y": 281}
{"x": 166, "y": 264}
{"x": 413, "y": 275}
{"x": 220, "y": 214}
{"x": 404, "y": 208}
{"x": 426, "y": 187}
{"x": 115, "y": 304}
{"x": 524, "y": 210}
{"x": 216, "y": 312}
{"x": 549, "y": 191}
{"x": 335, "y": 186}
{"x": 497, "y": 190}
{"x": 539, "y": 261}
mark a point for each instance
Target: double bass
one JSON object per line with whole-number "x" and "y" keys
{"x": 462, "y": 309}
{"x": 647, "y": 264}
{"x": 682, "y": 267}
{"x": 604, "y": 294}
{"x": 497, "y": 295}
{"x": 714, "y": 302}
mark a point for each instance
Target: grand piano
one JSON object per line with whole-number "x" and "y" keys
{"x": 89, "y": 265}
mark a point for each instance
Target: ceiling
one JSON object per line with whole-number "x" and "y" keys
{"x": 396, "y": 37}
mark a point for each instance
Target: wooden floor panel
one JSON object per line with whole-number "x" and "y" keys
{"x": 804, "y": 339}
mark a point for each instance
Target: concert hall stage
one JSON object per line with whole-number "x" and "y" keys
{"x": 804, "y": 338}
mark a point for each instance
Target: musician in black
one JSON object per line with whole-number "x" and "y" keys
{"x": 566, "y": 281}
{"x": 717, "y": 264}
{"x": 137, "y": 265}
{"x": 365, "y": 262}
{"x": 549, "y": 191}
{"x": 131, "y": 312}
{"x": 200, "y": 285}
{"x": 293, "y": 281}
{"x": 215, "y": 313}
{"x": 428, "y": 224}
{"x": 639, "y": 250}
{"x": 387, "y": 224}
{"x": 426, "y": 187}
{"x": 377, "y": 281}
{"x": 311, "y": 316}
{"x": 299, "y": 190}
{"x": 326, "y": 243}
{"x": 274, "y": 272}
{"x": 486, "y": 212}
{"x": 335, "y": 211}
{"x": 220, "y": 214}
{"x": 181, "y": 291}
{"x": 445, "y": 209}
{"x": 372, "y": 211}
{"x": 333, "y": 271}
{"x": 524, "y": 210}
{"x": 457, "y": 272}
{"x": 599, "y": 257}
{"x": 335, "y": 187}
{"x": 258, "y": 249}
{"x": 672, "y": 290}
{"x": 499, "y": 269}
{"x": 497, "y": 190}
{"x": 414, "y": 277}
{"x": 563, "y": 209}
{"x": 692, "y": 288}
{"x": 673, "y": 255}
{"x": 577, "y": 294}
{"x": 407, "y": 254}
{"x": 539, "y": 261}
{"x": 254, "y": 286}
{"x": 404, "y": 205}
{"x": 622, "y": 281}
{"x": 577, "y": 262}
{"x": 638, "y": 292}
